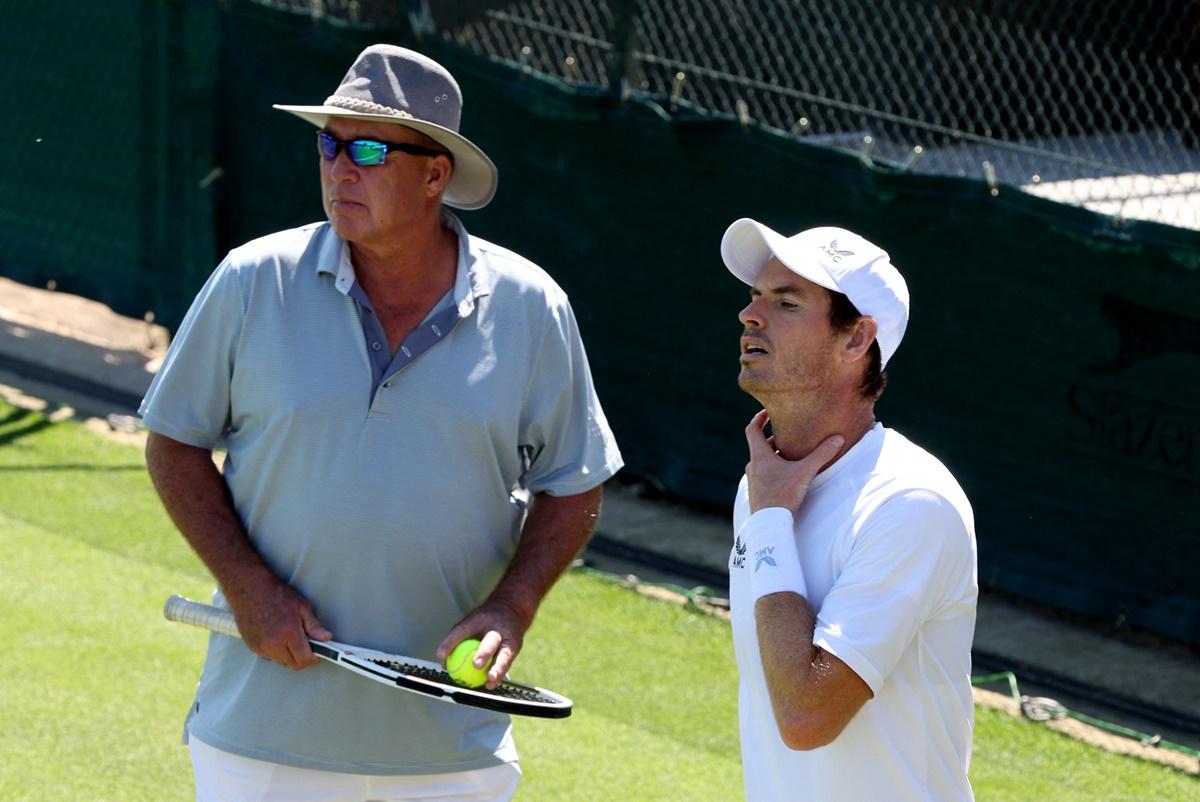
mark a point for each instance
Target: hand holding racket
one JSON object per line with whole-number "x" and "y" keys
{"x": 397, "y": 671}
{"x": 279, "y": 625}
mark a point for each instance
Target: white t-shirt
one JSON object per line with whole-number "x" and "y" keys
{"x": 886, "y": 540}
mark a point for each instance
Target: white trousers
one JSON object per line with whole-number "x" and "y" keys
{"x": 225, "y": 777}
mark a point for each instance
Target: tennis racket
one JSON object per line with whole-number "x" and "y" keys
{"x": 394, "y": 670}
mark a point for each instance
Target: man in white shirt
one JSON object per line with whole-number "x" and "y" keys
{"x": 853, "y": 573}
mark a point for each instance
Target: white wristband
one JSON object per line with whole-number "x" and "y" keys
{"x": 771, "y": 550}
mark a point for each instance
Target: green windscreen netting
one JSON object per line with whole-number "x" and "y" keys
{"x": 106, "y": 184}
{"x": 1051, "y": 360}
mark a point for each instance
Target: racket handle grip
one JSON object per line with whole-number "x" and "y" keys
{"x": 205, "y": 616}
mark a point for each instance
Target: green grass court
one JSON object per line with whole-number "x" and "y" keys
{"x": 96, "y": 682}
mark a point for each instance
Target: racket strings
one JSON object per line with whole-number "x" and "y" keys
{"x": 434, "y": 675}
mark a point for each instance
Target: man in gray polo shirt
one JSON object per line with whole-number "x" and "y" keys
{"x": 415, "y": 454}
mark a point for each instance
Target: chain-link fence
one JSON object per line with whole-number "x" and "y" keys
{"x": 364, "y": 13}
{"x": 1088, "y": 102}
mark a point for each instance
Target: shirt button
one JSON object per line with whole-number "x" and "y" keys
{"x": 375, "y": 346}
{"x": 387, "y": 384}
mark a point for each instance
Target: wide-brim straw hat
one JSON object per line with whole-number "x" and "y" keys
{"x": 392, "y": 84}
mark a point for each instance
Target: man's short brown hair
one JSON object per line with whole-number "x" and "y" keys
{"x": 842, "y": 315}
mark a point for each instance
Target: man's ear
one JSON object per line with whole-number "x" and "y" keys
{"x": 440, "y": 170}
{"x": 862, "y": 334}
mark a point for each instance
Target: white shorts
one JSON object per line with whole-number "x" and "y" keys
{"x": 225, "y": 777}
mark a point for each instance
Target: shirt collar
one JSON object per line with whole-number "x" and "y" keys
{"x": 473, "y": 278}
{"x": 870, "y": 441}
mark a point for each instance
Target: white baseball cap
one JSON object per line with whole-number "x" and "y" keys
{"x": 835, "y": 258}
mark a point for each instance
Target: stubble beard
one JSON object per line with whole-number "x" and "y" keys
{"x": 796, "y": 380}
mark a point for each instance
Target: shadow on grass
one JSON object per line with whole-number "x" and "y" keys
{"x": 36, "y": 422}
{"x": 15, "y": 414}
{"x": 19, "y": 422}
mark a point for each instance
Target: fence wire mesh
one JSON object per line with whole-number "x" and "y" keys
{"x": 365, "y": 13}
{"x": 1087, "y": 102}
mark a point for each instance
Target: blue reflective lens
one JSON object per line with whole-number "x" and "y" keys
{"x": 370, "y": 152}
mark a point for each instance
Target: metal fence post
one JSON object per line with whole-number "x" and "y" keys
{"x": 622, "y": 39}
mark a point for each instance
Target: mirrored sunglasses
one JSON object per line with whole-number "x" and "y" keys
{"x": 369, "y": 152}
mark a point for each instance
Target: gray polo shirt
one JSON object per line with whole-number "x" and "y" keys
{"x": 391, "y": 494}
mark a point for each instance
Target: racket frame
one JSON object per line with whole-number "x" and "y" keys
{"x": 365, "y": 662}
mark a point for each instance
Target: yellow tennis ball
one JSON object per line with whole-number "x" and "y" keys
{"x": 461, "y": 669}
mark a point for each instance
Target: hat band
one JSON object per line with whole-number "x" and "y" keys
{"x": 365, "y": 106}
